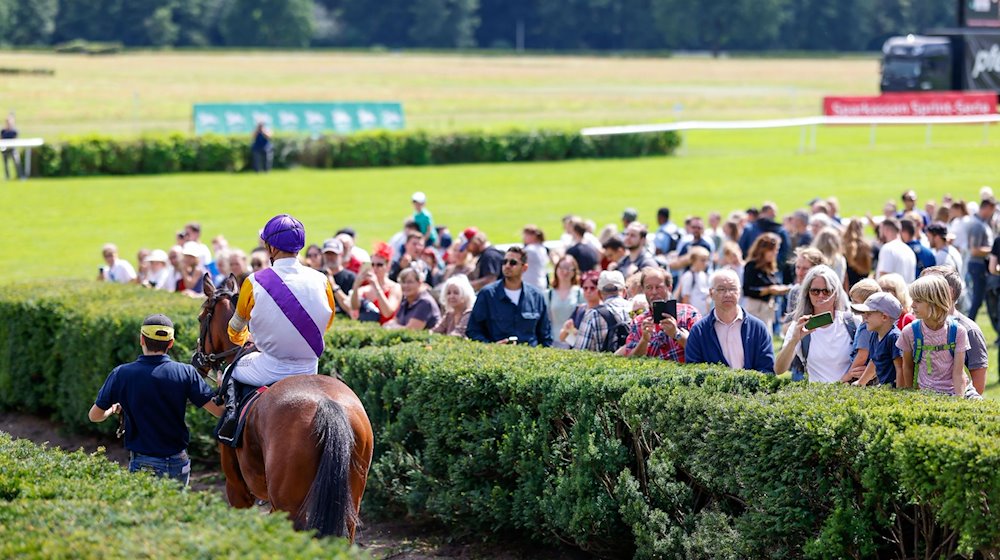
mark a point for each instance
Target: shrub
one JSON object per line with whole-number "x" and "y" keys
{"x": 618, "y": 457}
{"x": 72, "y": 505}
{"x": 97, "y": 155}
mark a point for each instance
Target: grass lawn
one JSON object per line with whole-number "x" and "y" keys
{"x": 143, "y": 91}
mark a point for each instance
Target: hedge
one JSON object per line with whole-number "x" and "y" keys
{"x": 72, "y": 505}
{"x": 618, "y": 457}
{"x": 101, "y": 155}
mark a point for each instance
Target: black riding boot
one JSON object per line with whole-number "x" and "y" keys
{"x": 225, "y": 431}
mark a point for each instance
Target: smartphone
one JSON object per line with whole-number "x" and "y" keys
{"x": 672, "y": 308}
{"x": 659, "y": 310}
{"x": 821, "y": 320}
{"x": 365, "y": 267}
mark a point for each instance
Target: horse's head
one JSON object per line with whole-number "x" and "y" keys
{"x": 214, "y": 346}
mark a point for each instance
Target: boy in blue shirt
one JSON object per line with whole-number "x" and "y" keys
{"x": 885, "y": 361}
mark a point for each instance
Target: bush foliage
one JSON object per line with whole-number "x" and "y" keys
{"x": 619, "y": 457}
{"x": 99, "y": 155}
{"x": 72, "y": 505}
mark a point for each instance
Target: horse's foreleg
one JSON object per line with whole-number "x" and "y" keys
{"x": 236, "y": 488}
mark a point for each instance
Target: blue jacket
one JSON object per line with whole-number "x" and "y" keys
{"x": 495, "y": 317}
{"x": 703, "y": 345}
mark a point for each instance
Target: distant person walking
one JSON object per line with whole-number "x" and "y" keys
{"x": 262, "y": 149}
{"x": 9, "y": 132}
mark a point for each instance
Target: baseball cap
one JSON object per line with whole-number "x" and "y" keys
{"x": 467, "y": 236}
{"x": 630, "y": 214}
{"x": 190, "y": 249}
{"x": 158, "y": 327}
{"x": 883, "y": 302}
{"x": 333, "y": 245}
{"x": 157, "y": 255}
{"x": 611, "y": 281}
{"x": 419, "y": 197}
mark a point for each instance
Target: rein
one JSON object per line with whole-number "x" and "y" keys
{"x": 213, "y": 361}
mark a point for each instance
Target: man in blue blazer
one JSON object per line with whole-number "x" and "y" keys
{"x": 729, "y": 335}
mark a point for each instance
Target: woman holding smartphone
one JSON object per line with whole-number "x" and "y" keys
{"x": 761, "y": 281}
{"x": 820, "y": 336}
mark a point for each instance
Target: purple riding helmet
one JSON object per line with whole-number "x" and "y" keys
{"x": 284, "y": 233}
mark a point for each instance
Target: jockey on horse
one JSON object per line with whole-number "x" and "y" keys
{"x": 286, "y": 308}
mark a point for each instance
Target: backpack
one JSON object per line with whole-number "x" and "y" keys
{"x": 919, "y": 348}
{"x": 617, "y": 330}
{"x": 799, "y": 365}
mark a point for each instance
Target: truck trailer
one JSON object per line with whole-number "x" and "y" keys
{"x": 966, "y": 58}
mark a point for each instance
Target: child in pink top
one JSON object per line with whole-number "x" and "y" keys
{"x": 940, "y": 368}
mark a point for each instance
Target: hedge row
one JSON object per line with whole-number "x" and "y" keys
{"x": 589, "y": 449}
{"x": 98, "y": 155}
{"x": 72, "y": 505}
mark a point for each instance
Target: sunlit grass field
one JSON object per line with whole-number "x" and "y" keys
{"x": 138, "y": 92}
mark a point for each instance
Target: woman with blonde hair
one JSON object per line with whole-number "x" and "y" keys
{"x": 895, "y": 285}
{"x": 732, "y": 258}
{"x": 857, "y": 252}
{"x": 829, "y": 243}
{"x": 761, "y": 280}
{"x": 457, "y": 299}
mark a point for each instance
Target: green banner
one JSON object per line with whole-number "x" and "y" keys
{"x": 313, "y": 118}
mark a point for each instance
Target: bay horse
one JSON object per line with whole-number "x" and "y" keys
{"x": 307, "y": 443}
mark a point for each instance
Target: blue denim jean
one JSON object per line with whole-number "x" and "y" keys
{"x": 977, "y": 272}
{"x": 177, "y": 467}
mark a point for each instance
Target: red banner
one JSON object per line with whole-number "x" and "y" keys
{"x": 950, "y": 104}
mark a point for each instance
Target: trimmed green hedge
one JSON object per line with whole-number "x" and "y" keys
{"x": 619, "y": 457}
{"x": 100, "y": 155}
{"x": 72, "y": 505}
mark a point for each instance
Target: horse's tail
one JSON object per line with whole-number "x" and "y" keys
{"x": 328, "y": 507}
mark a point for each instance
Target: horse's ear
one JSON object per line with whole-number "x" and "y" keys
{"x": 209, "y": 287}
{"x": 231, "y": 284}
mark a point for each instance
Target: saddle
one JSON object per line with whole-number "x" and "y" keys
{"x": 246, "y": 395}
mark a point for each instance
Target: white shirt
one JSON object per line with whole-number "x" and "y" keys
{"x": 537, "y": 258}
{"x": 949, "y": 256}
{"x": 513, "y": 295}
{"x": 829, "y": 351}
{"x": 896, "y": 256}
{"x": 163, "y": 280}
{"x": 120, "y": 272}
{"x": 957, "y": 227}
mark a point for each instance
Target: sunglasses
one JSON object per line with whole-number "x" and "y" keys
{"x": 511, "y": 262}
{"x": 820, "y": 291}
{"x": 378, "y": 265}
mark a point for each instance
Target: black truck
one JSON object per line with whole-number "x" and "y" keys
{"x": 960, "y": 59}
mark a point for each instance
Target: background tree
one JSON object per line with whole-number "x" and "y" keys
{"x": 267, "y": 23}
{"x": 31, "y": 22}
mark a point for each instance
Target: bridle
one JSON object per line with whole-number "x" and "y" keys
{"x": 214, "y": 361}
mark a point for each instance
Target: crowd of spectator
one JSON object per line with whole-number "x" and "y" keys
{"x": 878, "y": 300}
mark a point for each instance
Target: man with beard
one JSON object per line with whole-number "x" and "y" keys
{"x": 637, "y": 257}
{"x": 509, "y": 311}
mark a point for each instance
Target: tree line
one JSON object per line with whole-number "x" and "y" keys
{"x": 844, "y": 25}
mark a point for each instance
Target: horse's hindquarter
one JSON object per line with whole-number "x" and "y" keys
{"x": 282, "y": 421}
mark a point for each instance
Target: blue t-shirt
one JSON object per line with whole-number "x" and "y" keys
{"x": 153, "y": 392}
{"x": 862, "y": 337}
{"x": 883, "y": 352}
